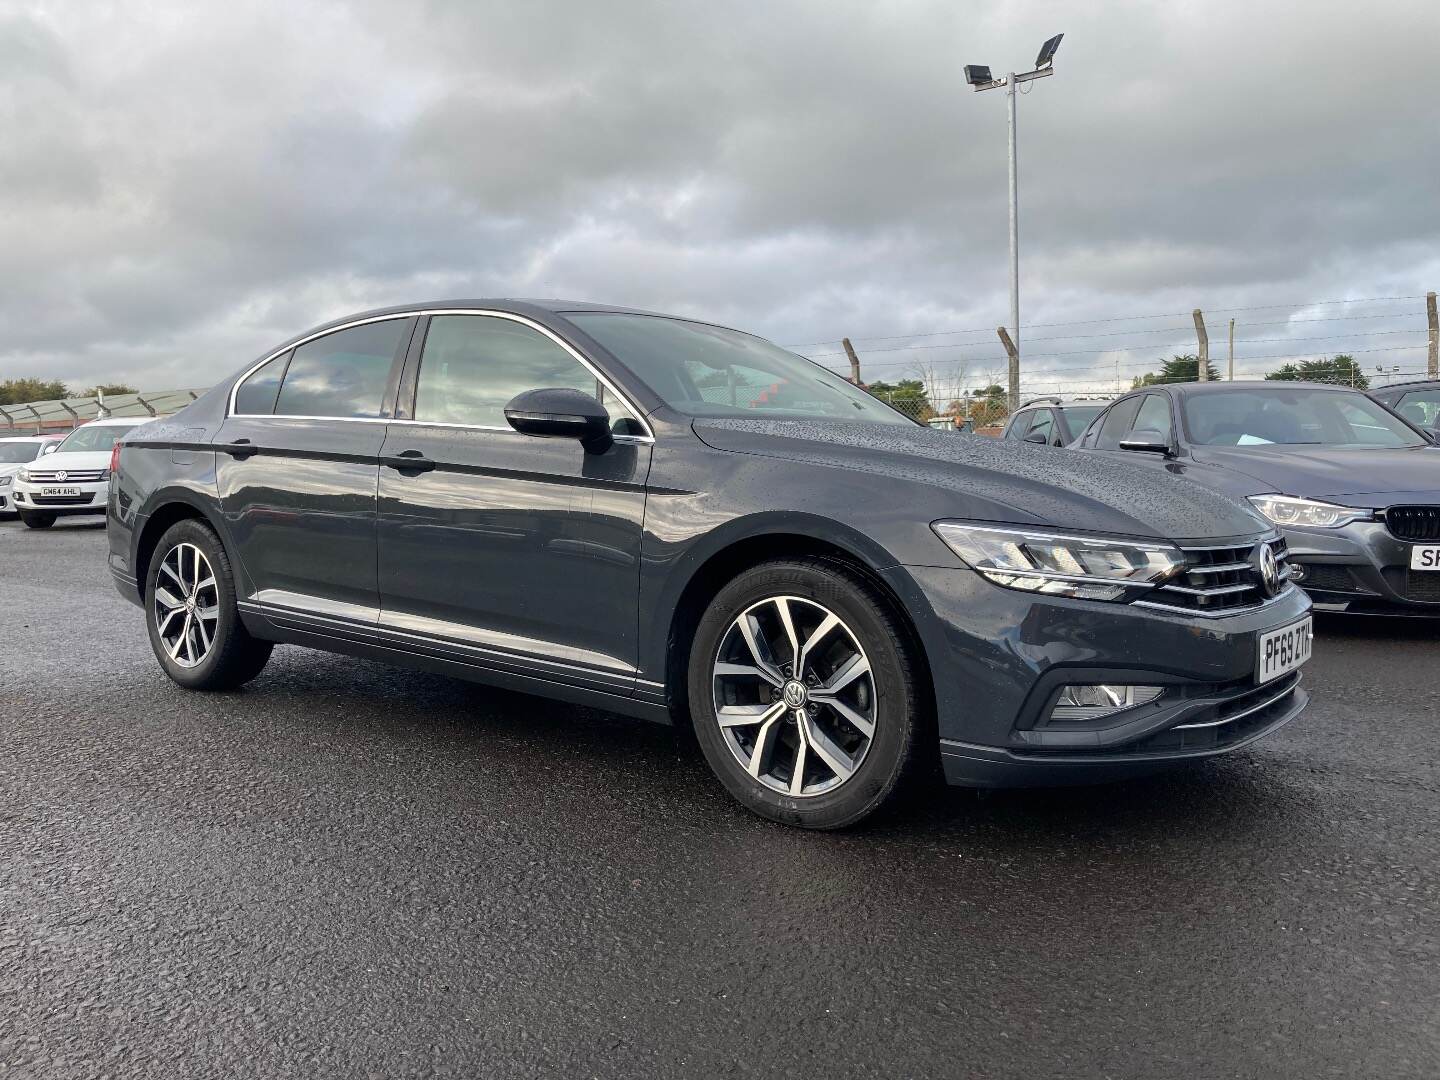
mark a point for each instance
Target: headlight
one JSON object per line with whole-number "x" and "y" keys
{"x": 5, "y": 481}
{"x": 1287, "y": 510}
{"x": 24, "y": 475}
{"x": 1063, "y": 564}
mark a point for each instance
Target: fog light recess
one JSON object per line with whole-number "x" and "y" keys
{"x": 1080, "y": 703}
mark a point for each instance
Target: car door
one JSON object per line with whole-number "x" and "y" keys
{"x": 521, "y": 552}
{"x": 1042, "y": 424}
{"x": 1144, "y": 412}
{"x": 298, "y": 469}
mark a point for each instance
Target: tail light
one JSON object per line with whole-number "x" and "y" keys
{"x": 115, "y": 458}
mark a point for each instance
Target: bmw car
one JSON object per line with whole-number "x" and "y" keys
{"x": 1354, "y": 487}
{"x": 683, "y": 522}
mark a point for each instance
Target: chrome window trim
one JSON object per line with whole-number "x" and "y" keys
{"x": 600, "y": 377}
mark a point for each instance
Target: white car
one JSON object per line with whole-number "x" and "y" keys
{"x": 14, "y": 452}
{"x": 75, "y": 478}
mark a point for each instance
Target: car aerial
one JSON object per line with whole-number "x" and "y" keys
{"x": 1418, "y": 402}
{"x": 16, "y": 451}
{"x": 1354, "y": 487}
{"x": 74, "y": 477}
{"x": 678, "y": 521}
{"x": 1052, "y": 421}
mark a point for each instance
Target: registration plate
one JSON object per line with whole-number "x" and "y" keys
{"x": 59, "y": 491}
{"x": 1425, "y": 557}
{"x": 1282, "y": 651}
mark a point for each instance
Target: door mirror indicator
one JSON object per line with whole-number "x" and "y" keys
{"x": 561, "y": 414}
{"x": 1148, "y": 439}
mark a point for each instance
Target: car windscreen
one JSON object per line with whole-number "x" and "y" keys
{"x": 10, "y": 453}
{"x": 1292, "y": 417}
{"x": 92, "y": 437}
{"x": 708, "y": 371}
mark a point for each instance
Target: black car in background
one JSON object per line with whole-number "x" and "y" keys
{"x": 1052, "y": 421}
{"x": 1417, "y": 402}
{"x": 1355, "y": 487}
{"x": 678, "y": 521}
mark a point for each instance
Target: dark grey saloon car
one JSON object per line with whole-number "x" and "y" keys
{"x": 1354, "y": 487}
{"x": 682, "y": 522}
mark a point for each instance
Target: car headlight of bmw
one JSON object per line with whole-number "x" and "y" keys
{"x": 1063, "y": 564}
{"x": 1288, "y": 510}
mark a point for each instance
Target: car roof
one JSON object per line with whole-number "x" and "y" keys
{"x": 1410, "y": 384}
{"x": 1189, "y": 389}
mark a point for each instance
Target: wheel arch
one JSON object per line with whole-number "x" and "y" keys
{"x": 776, "y": 541}
{"x": 171, "y": 507}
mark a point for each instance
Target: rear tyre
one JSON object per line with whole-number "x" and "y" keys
{"x": 195, "y": 629}
{"x": 803, "y": 694}
{"x": 37, "y": 521}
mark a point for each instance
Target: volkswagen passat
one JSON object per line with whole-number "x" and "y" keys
{"x": 1354, "y": 487}
{"x": 678, "y": 521}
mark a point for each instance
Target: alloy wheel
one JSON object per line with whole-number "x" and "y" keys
{"x": 186, "y": 605}
{"x": 794, "y": 696}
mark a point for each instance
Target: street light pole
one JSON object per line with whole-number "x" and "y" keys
{"x": 1014, "y": 380}
{"x": 979, "y": 78}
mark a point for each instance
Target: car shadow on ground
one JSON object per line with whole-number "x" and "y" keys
{"x": 1383, "y": 627}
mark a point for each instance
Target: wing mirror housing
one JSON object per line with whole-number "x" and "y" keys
{"x": 1148, "y": 440}
{"x": 559, "y": 413}
{"x": 50, "y": 448}
{"x": 1039, "y": 438}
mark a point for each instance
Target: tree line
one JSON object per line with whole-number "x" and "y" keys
{"x": 20, "y": 391}
{"x": 1340, "y": 370}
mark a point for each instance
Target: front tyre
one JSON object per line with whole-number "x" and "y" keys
{"x": 803, "y": 693}
{"x": 195, "y": 629}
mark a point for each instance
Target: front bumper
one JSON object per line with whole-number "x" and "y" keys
{"x": 91, "y": 499}
{"x": 1361, "y": 569}
{"x": 998, "y": 658}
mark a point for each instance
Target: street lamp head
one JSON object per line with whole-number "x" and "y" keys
{"x": 977, "y": 75}
{"x": 1048, "y": 50}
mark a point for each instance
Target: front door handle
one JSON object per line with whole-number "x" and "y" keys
{"x": 408, "y": 461}
{"x": 240, "y": 449}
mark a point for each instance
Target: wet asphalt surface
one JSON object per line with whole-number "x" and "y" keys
{"x": 347, "y": 870}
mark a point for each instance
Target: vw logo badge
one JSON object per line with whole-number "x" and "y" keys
{"x": 61, "y": 475}
{"x": 795, "y": 694}
{"x": 1269, "y": 570}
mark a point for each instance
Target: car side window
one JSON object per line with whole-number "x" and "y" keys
{"x": 1421, "y": 407}
{"x": 1019, "y": 424}
{"x": 344, "y": 374}
{"x": 473, "y": 365}
{"x": 1154, "y": 415}
{"x": 1043, "y": 423}
{"x": 1117, "y": 423}
{"x": 256, "y": 395}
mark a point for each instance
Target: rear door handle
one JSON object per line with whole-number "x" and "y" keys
{"x": 408, "y": 461}
{"x": 240, "y": 449}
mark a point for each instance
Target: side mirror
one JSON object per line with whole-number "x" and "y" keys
{"x": 1148, "y": 439}
{"x": 50, "y": 448}
{"x": 1039, "y": 438}
{"x": 561, "y": 414}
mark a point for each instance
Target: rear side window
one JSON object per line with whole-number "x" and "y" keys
{"x": 1420, "y": 407}
{"x": 1154, "y": 415}
{"x": 343, "y": 374}
{"x": 256, "y": 395}
{"x": 1117, "y": 423}
{"x": 473, "y": 365}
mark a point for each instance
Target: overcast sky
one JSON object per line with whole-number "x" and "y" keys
{"x": 184, "y": 184}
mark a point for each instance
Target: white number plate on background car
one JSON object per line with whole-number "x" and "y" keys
{"x": 1425, "y": 557}
{"x": 59, "y": 491}
{"x": 1284, "y": 650}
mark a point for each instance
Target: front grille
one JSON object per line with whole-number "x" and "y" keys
{"x": 1230, "y": 721}
{"x": 1413, "y": 522}
{"x": 72, "y": 476}
{"x": 62, "y": 500}
{"x": 1221, "y": 579}
{"x": 1423, "y": 587}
